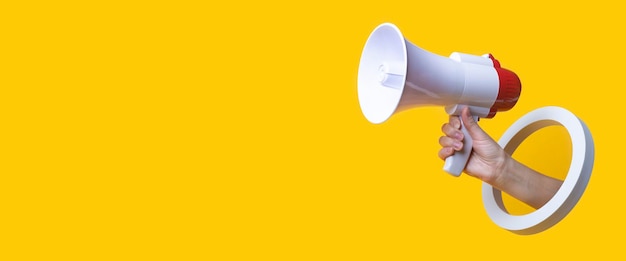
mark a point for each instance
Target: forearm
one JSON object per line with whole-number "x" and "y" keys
{"x": 525, "y": 184}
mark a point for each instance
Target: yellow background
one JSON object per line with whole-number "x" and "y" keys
{"x": 230, "y": 130}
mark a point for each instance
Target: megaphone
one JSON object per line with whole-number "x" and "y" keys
{"x": 395, "y": 75}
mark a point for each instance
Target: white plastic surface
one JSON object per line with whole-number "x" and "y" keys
{"x": 382, "y": 71}
{"x": 455, "y": 164}
{"x": 482, "y": 85}
{"x": 573, "y": 186}
{"x": 431, "y": 79}
{"x": 395, "y": 75}
{"x": 474, "y": 111}
{"x": 470, "y": 58}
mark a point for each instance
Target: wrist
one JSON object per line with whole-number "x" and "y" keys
{"x": 503, "y": 166}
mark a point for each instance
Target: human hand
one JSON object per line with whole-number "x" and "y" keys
{"x": 487, "y": 159}
{"x": 491, "y": 164}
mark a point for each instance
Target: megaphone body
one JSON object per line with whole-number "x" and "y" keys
{"x": 395, "y": 75}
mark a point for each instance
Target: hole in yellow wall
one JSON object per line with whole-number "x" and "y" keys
{"x": 548, "y": 151}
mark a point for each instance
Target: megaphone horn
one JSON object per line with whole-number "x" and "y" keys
{"x": 395, "y": 75}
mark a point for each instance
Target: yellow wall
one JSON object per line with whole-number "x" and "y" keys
{"x": 231, "y": 130}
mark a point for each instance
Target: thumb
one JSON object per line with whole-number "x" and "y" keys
{"x": 472, "y": 127}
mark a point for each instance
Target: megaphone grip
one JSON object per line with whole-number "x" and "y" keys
{"x": 456, "y": 163}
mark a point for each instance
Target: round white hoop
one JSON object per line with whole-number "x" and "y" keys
{"x": 573, "y": 186}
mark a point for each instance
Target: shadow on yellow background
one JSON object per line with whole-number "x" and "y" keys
{"x": 231, "y": 130}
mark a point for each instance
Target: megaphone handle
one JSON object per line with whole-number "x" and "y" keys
{"x": 456, "y": 163}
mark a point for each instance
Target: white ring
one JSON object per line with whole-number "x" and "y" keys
{"x": 573, "y": 186}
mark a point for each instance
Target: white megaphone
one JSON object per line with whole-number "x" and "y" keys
{"x": 395, "y": 75}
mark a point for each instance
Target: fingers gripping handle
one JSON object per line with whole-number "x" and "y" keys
{"x": 456, "y": 163}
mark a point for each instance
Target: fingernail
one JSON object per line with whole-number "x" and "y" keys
{"x": 457, "y": 124}
{"x": 458, "y": 135}
{"x": 457, "y": 145}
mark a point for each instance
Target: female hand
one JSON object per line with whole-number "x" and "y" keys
{"x": 491, "y": 164}
{"x": 487, "y": 158}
